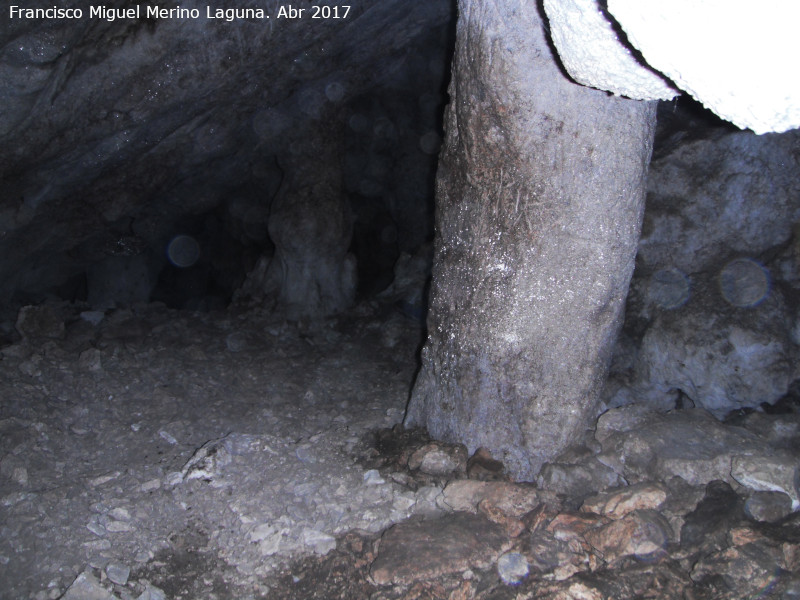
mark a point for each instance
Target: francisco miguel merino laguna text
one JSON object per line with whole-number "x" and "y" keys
{"x": 156, "y": 12}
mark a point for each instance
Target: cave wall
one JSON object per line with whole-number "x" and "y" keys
{"x": 117, "y": 136}
{"x": 712, "y": 317}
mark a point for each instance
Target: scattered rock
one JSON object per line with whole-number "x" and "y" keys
{"x": 618, "y": 503}
{"x": 708, "y": 525}
{"x": 745, "y": 570}
{"x": 578, "y": 480}
{"x": 321, "y": 543}
{"x": 207, "y": 461}
{"x": 514, "y": 499}
{"x": 86, "y": 587}
{"x": 768, "y": 506}
{"x": 373, "y": 477}
{"x": 118, "y": 573}
{"x": 769, "y": 473}
{"x": 549, "y": 556}
{"x": 512, "y": 567}
{"x": 643, "y": 534}
{"x": 40, "y": 322}
{"x": 415, "y": 551}
{"x": 690, "y": 444}
{"x": 483, "y": 467}
{"x": 622, "y": 419}
{"x": 572, "y": 526}
{"x": 440, "y": 459}
{"x": 152, "y": 593}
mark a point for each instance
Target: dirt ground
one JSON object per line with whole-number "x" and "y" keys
{"x": 153, "y": 454}
{"x": 199, "y": 451}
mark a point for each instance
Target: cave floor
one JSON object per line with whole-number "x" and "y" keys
{"x": 213, "y": 445}
{"x": 154, "y": 454}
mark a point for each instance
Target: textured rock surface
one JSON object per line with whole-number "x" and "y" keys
{"x": 776, "y": 473}
{"x": 591, "y": 52}
{"x": 706, "y": 201}
{"x": 630, "y": 47}
{"x": 618, "y": 503}
{"x": 538, "y": 207}
{"x": 413, "y": 551}
{"x": 116, "y": 136}
{"x": 712, "y": 315}
{"x": 641, "y": 533}
{"x": 741, "y": 87}
{"x": 720, "y": 357}
{"x": 176, "y": 457}
{"x": 215, "y": 486}
{"x": 768, "y": 506}
{"x": 697, "y": 450}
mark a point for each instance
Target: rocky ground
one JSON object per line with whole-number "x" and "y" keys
{"x": 153, "y": 454}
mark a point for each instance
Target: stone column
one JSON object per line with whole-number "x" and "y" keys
{"x": 539, "y": 200}
{"x": 311, "y": 226}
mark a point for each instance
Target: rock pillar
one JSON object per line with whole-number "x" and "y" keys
{"x": 311, "y": 226}
{"x": 539, "y": 200}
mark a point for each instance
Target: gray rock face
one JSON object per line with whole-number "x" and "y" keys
{"x": 714, "y": 200}
{"x": 712, "y": 298}
{"x": 539, "y": 196}
{"x": 722, "y": 358}
{"x": 148, "y": 128}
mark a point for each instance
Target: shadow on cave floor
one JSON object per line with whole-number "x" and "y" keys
{"x": 120, "y": 439}
{"x": 167, "y": 455}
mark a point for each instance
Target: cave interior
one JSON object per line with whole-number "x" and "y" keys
{"x": 211, "y": 226}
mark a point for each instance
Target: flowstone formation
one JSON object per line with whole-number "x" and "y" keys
{"x": 523, "y": 322}
{"x": 540, "y": 191}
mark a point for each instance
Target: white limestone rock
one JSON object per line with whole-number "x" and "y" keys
{"x": 592, "y": 54}
{"x": 731, "y": 56}
{"x": 737, "y": 68}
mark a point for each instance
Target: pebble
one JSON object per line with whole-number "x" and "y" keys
{"x": 86, "y": 587}
{"x": 618, "y": 503}
{"x": 512, "y": 568}
{"x": 96, "y": 528}
{"x": 118, "y": 526}
{"x": 642, "y": 534}
{"x": 118, "y": 573}
{"x": 768, "y": 506}
{"x": 373, "y": 477}
{"x": 152, "y": 593}
{"x": 321, "y": 543}
{"x": 165, "y": 435}
{"x": 120, "y": 514}
{"x": 151, "y": 485}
